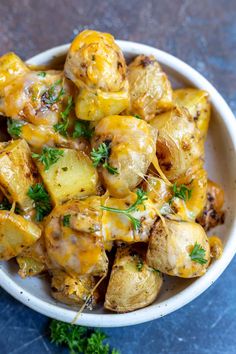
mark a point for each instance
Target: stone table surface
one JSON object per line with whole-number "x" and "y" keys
{"x": 202, "y": 33}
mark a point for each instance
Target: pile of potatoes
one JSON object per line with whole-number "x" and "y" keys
{"x": 155, "y": 136}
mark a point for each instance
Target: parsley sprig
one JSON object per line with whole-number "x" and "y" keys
{"x": 48, "y": 157}
{"x": 198, "y": 253}
{"x": 101, "y": 155}
{"x": 181, "y": 192}
{"x": 63, "y": 125}
{"x": 141, "y": 197}
{"x": 139, "y": 265}
{"x": 79, "y": 339}
{"x": 42, "y": 74}
{"x": 41, "y": 201}
{"x": 66, "y": 220}
{"x": 82, "y": 129}
{"x": 14, "y": 127}
{"x": 49, "y": 96}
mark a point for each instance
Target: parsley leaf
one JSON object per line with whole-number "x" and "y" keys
{"x": 101, "y": 155}
{"x": 49, "y": 96}
{"x": 141, "y": 197}
{"x": 181, "y": 191}
{"x": 42, "y": 74}
{"x": 41, "y": 200}
{"x": 137, "y": 116}
{"x": 79, "y": 339}
{"x": 66, "y": 220}
{"x": 48, "y": 157}
{"x": 14, "y": 127}
{"x": 198, "y": 253}
{"x": 63, "y": 126}
{"x": 139, "y": 265}
{"x": 82, "y": 129}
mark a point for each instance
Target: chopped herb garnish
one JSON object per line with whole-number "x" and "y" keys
{"x": 139, "y": 265}
{"x": 64, "y": 169}
{"x": 49, "y": 96}
{"x": 63, "y": 125}
{"x": 101, "y": 155}
{"x": 42, "y": 74}
{"x": 137, "y": 116}
{"x": 14, "y": 127}
{"x": 41, "y": 200}
{"x": 181, "y": 191}
{"x": 79, "y": 339}
{"x": 48, "y": 157}
{"x": 198, "y": 253}
{"x": 66, "y": 220}
{"x": 141, "y": 197}
{"x": 82, "y": 129}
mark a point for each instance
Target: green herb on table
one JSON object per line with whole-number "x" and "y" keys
{"x": 198, "y": 253}
{"x": 48, "y": 157}
{"x": 181, "y": 192}
{"x": 66, "y": 220}
{"x": 63, "y": 125}
{"x": 82, "y": 129}
{"x": 141, "y": 197}
{"x": 49, "y": 96}
{"x": 14, "y": 127}
{"x": 78, "y": 339}
{"x": 101, "y": 155}
{"x": 41, "y": 200}
{"x": 42, "y": 74}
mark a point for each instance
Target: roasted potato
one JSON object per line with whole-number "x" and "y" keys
{"x": 74, "y": 167}
{"x": 216, "y": 247}
{"x": 150, "y": 89}
{"x": 16, "y": 233}
{"x": 212, "y": 214}
{"x": 72, "y": 290}
{"x": 73, "y": 238}
{"x": 174, "y": 246}
{"x": 157, "y": 190}
{"x": 132, "y": 144}
{"x": 17, "y": 173}
{"x": 198, "y": 105}
{"x": 178, "y": 143}
{"x": 97, "y": 66}
{"x": 11, "y": 67}
{"x": 132, "y": 284}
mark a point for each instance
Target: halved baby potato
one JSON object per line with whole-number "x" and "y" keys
{"x": 16, "y": 233}
{"x": 133, "y": 284}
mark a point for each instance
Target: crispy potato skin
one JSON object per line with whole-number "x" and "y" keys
{"x": 212, "y": 214}
{"x": 132, "y": 148}
{"x": 178, "y": 143}
{"x": 169, "y": 249}
{"x": 97, "y": 67}
{"x": 77, "y": 248}
{"x": 16, "y": 233}
{"x": 75, "y": 167}
{"x": 130, "y": 287}
{"x": 198, "y": 104}
{"x": 150, "y": 89}
{"x": 17, "y": 172}
{"x": 72, "y": 290}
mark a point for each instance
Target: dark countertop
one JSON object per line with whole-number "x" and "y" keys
{"x": 202, "y": 33}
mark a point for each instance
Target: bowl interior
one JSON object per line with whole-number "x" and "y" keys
{"x": 220, "y": 164}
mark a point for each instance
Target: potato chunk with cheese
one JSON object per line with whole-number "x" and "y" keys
{"x": 71, "y": 177}
{"x": 132, "y": 284}
{"x": 16, "y": 233}
{"x": 17, "y": 172}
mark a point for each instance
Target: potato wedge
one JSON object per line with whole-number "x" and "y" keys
{"x": 150, "y": 89}
{"x": 16, "y": 233}
{"x": 72, "y": 290}
{"x": 132, "y": 283}
{"x": 170, "y": 248}
{"x": 17, "y": 173}
{"x": 71, "y": 177}
{"x": 198, "y": 105}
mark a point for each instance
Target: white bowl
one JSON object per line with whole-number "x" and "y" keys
{"x": 221, "y": 165}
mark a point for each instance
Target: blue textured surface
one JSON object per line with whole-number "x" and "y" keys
{"x": 203, "y": 34}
